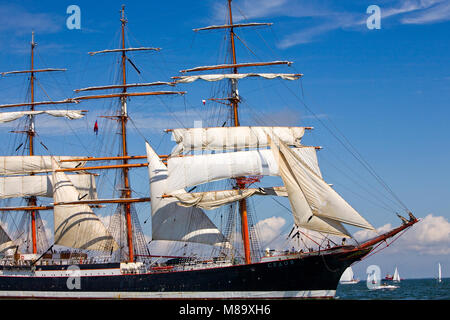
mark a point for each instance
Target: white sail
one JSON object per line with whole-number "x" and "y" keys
{"x": 194, "y": 170}
{"x": 169, "y": 220}
{"x": 42, "y": 186}
{"x": 348, "y": 276}
{"x": 4, "y": 247}
{"x": 214, "y": 199}
{"x": 303, "y": 216}
{"x": 77, "y": 226}
{"x": 439, "y": 272}
{"x": 17, "y": 165}
{"x": 309, "y": 157}
{"x": 396, "y": 277}
{"x": 232, "y": 138}
{"x": 323, "y": 201}
{"x": 237, "y": 76}
{"x": 5, "y": 241}
{"x": 69, "y": 114}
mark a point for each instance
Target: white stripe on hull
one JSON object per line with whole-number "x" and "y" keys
{"x": 308, "y": 294}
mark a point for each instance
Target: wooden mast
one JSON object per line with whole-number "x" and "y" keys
{"x": 122, "y": 118}
{"x": 32, "y": 206}
{"x": 32, "y": 200}
{"x": 126, "y": 193}
{"x": 240, "y": 183}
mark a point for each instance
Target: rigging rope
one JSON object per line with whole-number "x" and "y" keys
{"x": 351, "y": 149}
{"x": 355, "y": 154}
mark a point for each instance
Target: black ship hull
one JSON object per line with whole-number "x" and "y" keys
{"x": 308, "y": 276}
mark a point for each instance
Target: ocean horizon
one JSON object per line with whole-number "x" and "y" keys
{"x": 407, "y": 289}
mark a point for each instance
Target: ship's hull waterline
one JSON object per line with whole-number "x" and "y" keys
{"x": 305, "y": 277}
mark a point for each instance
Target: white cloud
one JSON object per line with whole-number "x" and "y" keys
{"x": 430, "y": 236}
{"x": 254, "y": 9}
{"x": 19, "y": 20}
{"x": 269, "y": 229}
{"x": 306, "y": 35}
{"x": 434, "y": 14}
{"x": 327, "y": 16}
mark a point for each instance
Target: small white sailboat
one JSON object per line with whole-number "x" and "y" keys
{"x": 348, "y": 277}
{"x": 396, "y": 277}
{"x": 376, "y": 284}
{"x": 439, "y": 273}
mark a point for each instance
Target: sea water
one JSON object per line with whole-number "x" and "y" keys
{"x": 408, "y": 289}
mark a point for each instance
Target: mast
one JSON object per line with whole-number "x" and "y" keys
{"x": 239, "y": 181}
{"x": 32, "y": 200}
{"x": 234, "y": 91}
{"x": 122, "y": 118}
{"x": 32, "y": 208}
{"x": 233, "y": 102}
{"x": 126, "y": 193}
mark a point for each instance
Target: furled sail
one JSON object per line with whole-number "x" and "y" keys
{"x": 232, "y": 138}
{"x": 303, "y": 215}
{"x": 237, "y": 65}
{"x": 17, "y": 165}
{"x": 197, "y": 169}
{"x": 172, "y": 222}
{"x": 322, "y": 199}
{"x": 215, "y": 199}
{"x": 237, "y": 76}
{"x": 69, "y": 114}
{"x": 42, "y": 186}
{"x": 77, "y": 226}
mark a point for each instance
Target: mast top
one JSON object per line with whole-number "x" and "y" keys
{"x": 33, "y": 44}
{"x": 236, "y": 25}
{"x": 122, "y": 15}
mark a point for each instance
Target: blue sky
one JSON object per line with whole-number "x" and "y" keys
{"x": 386, "y": 90}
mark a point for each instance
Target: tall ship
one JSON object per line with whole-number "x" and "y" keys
{"x": 209, "y": 168}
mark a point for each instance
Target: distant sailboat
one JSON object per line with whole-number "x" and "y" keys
{"x": 348, "y": 277}
{"x": 396, "y": 277}
{"x": 375, "y": 284}
{"x": 439, "y": 273}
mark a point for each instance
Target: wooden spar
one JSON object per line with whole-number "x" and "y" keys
{"x": 117, "y": 166}
{"x": 163, "y": 156}
{"x": 103, "y": 158}
{"x": 119, "y": 86}
{"x": 123, "y": 50}
{"x": 129, "y": 94}
{"x": 170, "y": 130}
{"x": 236, "y": 65}
{"x": 32, "y": 71}
{"x": 388, "y": 234}
{"x": 237, "y": 25}
{"x": 28, "y": 208}
{"x": 34, "y": 208}
{"x": 37, "y": 103}
{"x": 99, "y": 201}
